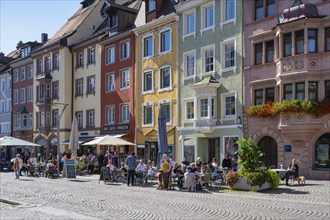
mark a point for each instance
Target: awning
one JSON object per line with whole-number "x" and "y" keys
{"x": 115, "y": 135}
{"x": 81, "y": 140}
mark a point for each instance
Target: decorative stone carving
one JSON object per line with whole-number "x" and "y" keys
{"x": 313, "y": 64}
{"x": 287, "y": 66}
{"x": 299, "y": 64}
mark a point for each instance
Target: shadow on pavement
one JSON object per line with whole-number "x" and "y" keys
{"x": 283, "y": 190}
{"x": 25, "y": 180}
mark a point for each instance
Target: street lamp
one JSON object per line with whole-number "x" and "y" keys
{"x": 58, "y": 129}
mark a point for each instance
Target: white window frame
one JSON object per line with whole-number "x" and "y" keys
{"x": 80, "y": 59}
{"x": 153, "y": 45}
{"x": 160, "y": 76}
{"x": 169, "y": 102}
{"x": 3, "y": 85}
{"x": 16, "y": 77}
{"x": 8, "y": 83}
{"x": 185, "y": 55}
{"x": 16, "y": 96}
{"x": 22, "y": 74}
{"x": 47, "y": 121}
{"x": 128, "y": 48}
{"x": 185, "y": 24}
{"x": 30, "y": 71}
{"x": 223, "y": 108}
{"x": 91, "y": 54}
{"x": 122, "y": 106}
{"x": 48, "y": 65}
{"x": 107, "y": 77}
{"x": 203, "y": 49}
{"x": 22, "y": 96}
{"x": 56, "y": 90}
{"x": 223, "y": 10}
{"x": 127, "y": 78}
{"x": 148, "y": 104}
{"x": 29, "y": 97}
{"x": 107, "y": 121}
{"x": 42, "y": 119}
{"x": 152, "y": 82}
{"x": 165, "y": 29}
{"x": 113, "y": 55}
{"x": 3, "y": 106}
{"x": 80, "y": 119}
{"x": 89, "y": 83}
{"x": 184, "y": 103}
{"x": 203, "y": 7}
{"x": 80, "y": 87}
{"x": 56, "y": 61}
{"x": 91, "y": 118}
{"x": 223, "y": 55}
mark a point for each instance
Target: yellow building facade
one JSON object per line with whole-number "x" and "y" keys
{"x": 156, "y": 84}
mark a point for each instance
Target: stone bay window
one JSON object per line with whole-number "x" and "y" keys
{"x": 205, "y": 103}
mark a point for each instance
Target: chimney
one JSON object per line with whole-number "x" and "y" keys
{"x": 44, "y": 38}
{"x": 2, "y": 54}
{"x": 20, "y": 43}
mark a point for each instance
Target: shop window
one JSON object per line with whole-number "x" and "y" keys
{"x": 322, "y": 152}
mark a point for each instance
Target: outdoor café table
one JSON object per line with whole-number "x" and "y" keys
{"x": 281, "y": 172}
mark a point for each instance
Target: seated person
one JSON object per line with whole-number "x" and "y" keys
{"x": 179, "y": 173}
{"x": 50, "y": 169}
{"x": 141, "y": 168}
{"x": 122, "y": 169}
{"x": 215, "y": 163}
{"x": 293, "y": 169}
{"x": 113, "y": 170}
{"x": 193, "y": 167}
{"x": 198, "y": 163}
{"x": 189, "y": 179}
{"x": 151, "y": 171}
{"x": 185, "y": 162}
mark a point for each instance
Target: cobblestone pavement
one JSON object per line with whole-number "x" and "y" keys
{"x": 85, "y": 198}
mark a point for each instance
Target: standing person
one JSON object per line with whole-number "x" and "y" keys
{"x": 130, "y": 162}
{"x": 166, "y": 167}
{"x": 18, "y": 163}
{"x": 24, "y": 167}
{"x": 226, "y": 162}
{"x": 100, "y": 159}
{"x": 185, "y": 162}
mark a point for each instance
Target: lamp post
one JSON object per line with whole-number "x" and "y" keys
{"x": 58, "y": 129}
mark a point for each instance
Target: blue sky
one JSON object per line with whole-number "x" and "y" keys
{"x": 25, "y": 20}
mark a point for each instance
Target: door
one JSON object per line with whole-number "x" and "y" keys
{"x": 268, "y": 147}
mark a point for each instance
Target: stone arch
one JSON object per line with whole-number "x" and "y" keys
{"x": 325, "y": 130}
{"x": 265, "y": 131}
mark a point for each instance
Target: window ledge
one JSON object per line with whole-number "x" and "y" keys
{"x": 189, "y": 77}
{"x": 165, "y": 89}
{"x": 110, "y": 63}
{"x": 148, "y": 57}
{"x": 109, "y": 91}
{"x": 165, "y": 52}
{"x": 209, "y": 73}
{"x": 188, "y": 35}
{"x": 229, "y": 69}
{"x": 147, "y": 125}
{"x": 188, "y": 121}
{"x": 124, "y": 88}
{"x": 147, "y": 92}
{"x": 122, "y": 59}
{"x": 233, "y": 20}
{"x": 206, "y": 29}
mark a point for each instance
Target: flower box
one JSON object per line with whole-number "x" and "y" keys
{"x": 243, "y": 185}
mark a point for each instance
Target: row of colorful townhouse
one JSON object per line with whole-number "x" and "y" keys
{"x": 114, "y": 63}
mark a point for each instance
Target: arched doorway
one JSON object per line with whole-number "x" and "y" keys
{"x": 268, "y": 147}
{"x": 322, "y": 152}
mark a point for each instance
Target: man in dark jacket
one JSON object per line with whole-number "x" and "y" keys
{"x": 130, "y": 162}
{"x": 100, "y": 159}
{"x": 226, "y": 163}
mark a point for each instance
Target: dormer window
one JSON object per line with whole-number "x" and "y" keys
{"x": 113, "y": 20}
{"x": 25, "y": 52}
{"x": 151, "y": 5}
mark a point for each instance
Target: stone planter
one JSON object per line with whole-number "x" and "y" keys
{"x": 243, "y": 185}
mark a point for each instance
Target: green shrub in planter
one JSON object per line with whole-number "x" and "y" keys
{"x": 272, "y": 178}
{"x": 80, "y": 165}
{"x": 256, "y": 178}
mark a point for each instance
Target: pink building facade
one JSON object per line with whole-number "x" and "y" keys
{"x": 287, "y": 57}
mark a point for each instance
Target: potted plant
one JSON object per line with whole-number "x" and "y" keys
{"x": 79, "y": 167}
{"x": 251, "y": 175}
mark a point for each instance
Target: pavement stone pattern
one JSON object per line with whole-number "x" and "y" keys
{"x": 85, "y": 198}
